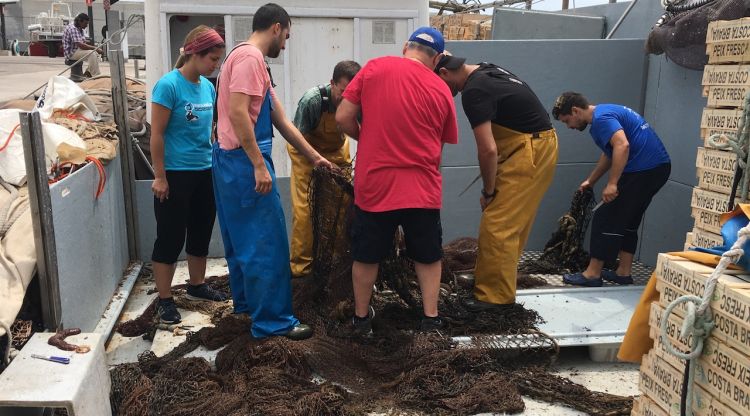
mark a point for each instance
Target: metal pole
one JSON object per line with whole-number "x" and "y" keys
{"x": 40, "y": 203}
{"x": 621, "y": 19}
{"x": 91, "y": 24}
{"x": 120, "y": 110}
{"x": 2, "y": 26}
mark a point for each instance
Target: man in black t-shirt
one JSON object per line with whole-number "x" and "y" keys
{"x": 517, "y": 151}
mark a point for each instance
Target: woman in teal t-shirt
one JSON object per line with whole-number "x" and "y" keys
{"x": 181, "y": 121}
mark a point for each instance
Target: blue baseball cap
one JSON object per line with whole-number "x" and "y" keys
{"x": 429, "y": 37}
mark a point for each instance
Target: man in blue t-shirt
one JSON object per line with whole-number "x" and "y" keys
{"x": 638, "y": 166}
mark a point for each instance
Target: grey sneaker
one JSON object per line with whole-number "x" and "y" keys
{"x": 432, "y": 324}
{"x": 167, "y": 310}
{"x": 362, "y": 327}
{"x": 204, "y": 292}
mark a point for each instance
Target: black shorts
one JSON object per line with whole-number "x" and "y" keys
{"x": 373, "y": 234}
{"x": 189, "y": 212}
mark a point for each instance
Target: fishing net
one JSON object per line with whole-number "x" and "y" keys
{"x": 471, "y": 367}
{"x": 564, "y": 252}
{"x": 681, "y": 31}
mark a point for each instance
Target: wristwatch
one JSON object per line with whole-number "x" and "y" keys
{"x": 488, "y": 196}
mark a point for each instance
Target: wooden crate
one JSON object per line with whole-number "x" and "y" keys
{"x": 728, "y": 52}
{"x": 721, "y": 119}
{"x": 715, "y": 181}
{"x": 707, "y": 220}
{"x": 727, "y": 330}
{"x": 485, "y": 30}
{"x": 728, "y": 30}
{"x": 688, "y": 241}
{"x": 725, "y": 374}
{"x": 710, "y": 201}
{"x": 661, "y": 383}
{"x": 725, "y": 96}
{"x": 716, "y": 160}
{"x": 644, "y": 406}
{"x": 661, "y": 350}
{"x": 706, "y": 133}
{"x": 705, "y": 239}
{"x": 727, "y": 75}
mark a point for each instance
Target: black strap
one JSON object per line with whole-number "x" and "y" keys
{"x": 735, "y": 185}
{"x": 325, "y": 104}
{"x": 218, "y": 78}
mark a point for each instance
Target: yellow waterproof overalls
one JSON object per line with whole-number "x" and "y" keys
{"x": 332, "y": 145}
{"x": 525, "y": 168}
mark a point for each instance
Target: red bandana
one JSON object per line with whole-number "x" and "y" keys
{"x": 205, "y": 40}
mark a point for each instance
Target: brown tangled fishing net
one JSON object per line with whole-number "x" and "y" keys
{"x": 480, "y": 363}
{"x": 564, "y": 252}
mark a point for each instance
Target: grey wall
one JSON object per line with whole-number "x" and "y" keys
{"x": 91, "y": 240}
{"x": 523, "y": 24}
{"x": 637, "y": 24}
{"x": 147, "y": 221}
{"x": 673, "y": 107}
{"x": 549, "y": 67}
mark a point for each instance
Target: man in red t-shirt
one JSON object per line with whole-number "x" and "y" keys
{"x": 407, "y": 116}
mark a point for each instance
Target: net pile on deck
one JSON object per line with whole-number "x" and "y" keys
{"x": 564, "y": 252}
{"x": 396, "y": 371}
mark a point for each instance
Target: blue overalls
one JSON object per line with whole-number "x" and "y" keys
{"x": 254, "y": 232}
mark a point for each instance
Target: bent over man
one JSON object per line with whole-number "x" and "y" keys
{"x": 517, "y": 151}
{"x": 638, "y": 166}
{"x": 316, "y": 120}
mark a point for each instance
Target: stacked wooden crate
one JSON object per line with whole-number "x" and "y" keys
{"x": 722, "y": 377}
{"x": 726, "y": 81}
{"x": 463, "y": 26}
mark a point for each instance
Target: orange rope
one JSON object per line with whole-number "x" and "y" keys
{"x": 102, "y": 175}
{"x": 10, "y": 136}
{"x": 69, "y": 115}
{"x": 99, "y": 167}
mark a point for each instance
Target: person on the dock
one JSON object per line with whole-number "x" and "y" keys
{"x": 75, "y": 46}
{"x": 181, "y": 119}
{"x": 316, "y": 120}
{"x": 407, "y": 117}
{"x": 247, "y": 198}
{"x": 517, "y": 151}
{"x": 638, "y": 166}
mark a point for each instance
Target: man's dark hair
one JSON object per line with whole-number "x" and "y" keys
{"x": 345, "y": 69}
{"x": 82, "y": 17}
{"x": 268, "y": 15}
{"x": 565, "y": 103}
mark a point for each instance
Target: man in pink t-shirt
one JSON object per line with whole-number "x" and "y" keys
{"x": 247, "y": 200}
{"x": 407, "y": 116}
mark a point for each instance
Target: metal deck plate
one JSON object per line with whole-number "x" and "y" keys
{"x": 641, "y": 272}
{"x": 584, "y": 316}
